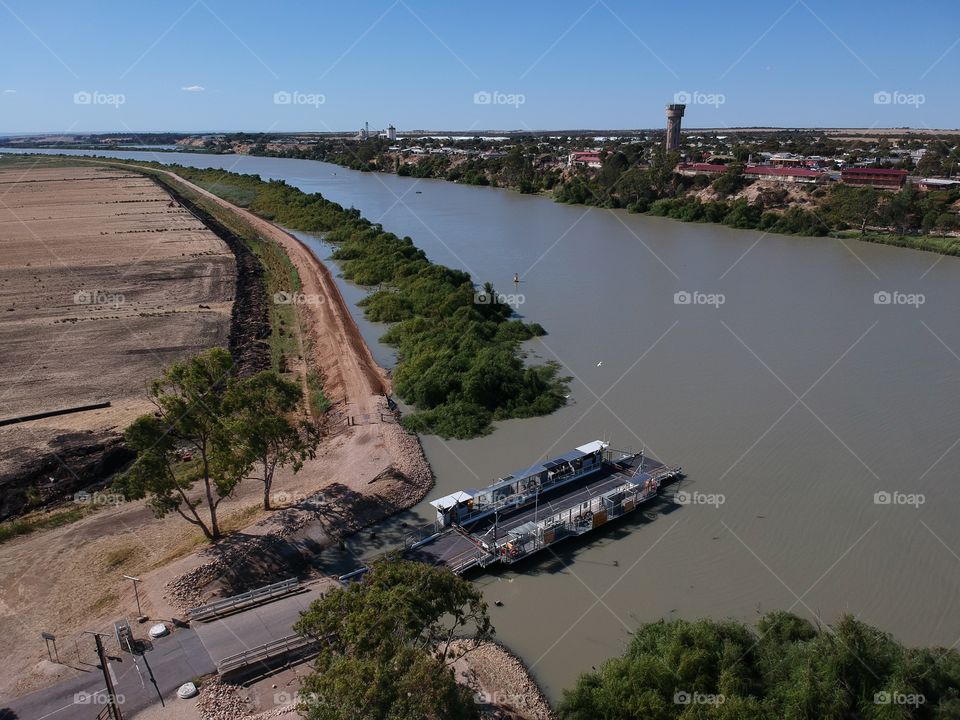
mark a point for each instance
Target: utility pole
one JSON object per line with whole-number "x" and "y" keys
{"x": 111, "y": 691}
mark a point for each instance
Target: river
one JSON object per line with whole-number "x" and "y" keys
{"x": 787, "y": 392}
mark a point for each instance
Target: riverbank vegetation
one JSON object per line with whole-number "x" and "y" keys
{"x": 387, "y": 645}
{"x": 641, "y": 177}
{"x": 459, "y": 349}
{"x": 786, "y": 669}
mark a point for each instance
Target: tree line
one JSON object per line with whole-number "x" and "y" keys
{"x": 386, "y": 653}
{"x": 459, "y": 356}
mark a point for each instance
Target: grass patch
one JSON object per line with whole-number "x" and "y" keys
{"x": 44, "y": 521}
{"x": 122, "y": 556}
{"x": 239, "y": 519}
{"x": 319, "y": 403}
{"x": 238, "y": 196}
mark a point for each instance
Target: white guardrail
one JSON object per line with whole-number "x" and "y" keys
{"x": 263, "y": 653}
{"x": 230, "y": 605}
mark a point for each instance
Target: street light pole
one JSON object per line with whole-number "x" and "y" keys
{"x": 136, "y": 593}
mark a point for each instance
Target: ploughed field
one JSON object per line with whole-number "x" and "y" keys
{"x": 104, "y": 280}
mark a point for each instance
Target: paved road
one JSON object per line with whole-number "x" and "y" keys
{"x": 256, "y": 626}
{"x": 173, "y": 660}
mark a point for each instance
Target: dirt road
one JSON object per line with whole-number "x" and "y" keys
{"x": 351, "y": 374}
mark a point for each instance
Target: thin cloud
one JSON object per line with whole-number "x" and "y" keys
{"x": 193, "y": 88}
{"x": 9, "y": 92}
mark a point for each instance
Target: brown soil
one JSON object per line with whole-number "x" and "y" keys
{"x": 102, "y": 283}
{"x": 370, "y": 471}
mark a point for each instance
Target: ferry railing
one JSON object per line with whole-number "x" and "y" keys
{"x": 576, "y": 521}
{"x": 419, "y": 535}
{"x": 521, "y": 498}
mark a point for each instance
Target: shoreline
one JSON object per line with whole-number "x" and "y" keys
{"x": 921, "y": 243}
{"x": 505, "y": 684}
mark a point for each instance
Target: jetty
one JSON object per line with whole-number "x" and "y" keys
{"x": 522, "y": 513}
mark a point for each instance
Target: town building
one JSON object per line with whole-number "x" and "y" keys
{"x": 584, "y": 158}
{"x": 756, "y": 172}
{"x": 873, "y": 177}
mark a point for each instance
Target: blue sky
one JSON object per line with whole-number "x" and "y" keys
{"x": 419, "y": 64}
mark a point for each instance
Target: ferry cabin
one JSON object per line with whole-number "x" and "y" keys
{"x": 519, "y": 488}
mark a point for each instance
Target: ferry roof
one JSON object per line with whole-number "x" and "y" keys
{"x": 570, "y": 456}
{"x": 460, "y": 496}
{"x": 448, "y": 501}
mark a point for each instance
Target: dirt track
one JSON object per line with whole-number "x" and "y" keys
{"x": 350, "y": 372}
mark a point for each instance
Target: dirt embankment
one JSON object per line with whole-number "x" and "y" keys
{"x": 250, "y": 316}
{"x": 368, "y": 469}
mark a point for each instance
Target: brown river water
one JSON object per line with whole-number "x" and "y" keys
{"x": 787, "y": 389}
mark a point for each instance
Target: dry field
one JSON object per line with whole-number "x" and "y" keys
{"x": 103, "y": 281}
{"x": 70, "y": 579}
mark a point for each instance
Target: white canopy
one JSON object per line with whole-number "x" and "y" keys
{"x": 593, "y": 447}
{"x": 448, "y": 501}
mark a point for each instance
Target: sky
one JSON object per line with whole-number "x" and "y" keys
{"x": 234, "y": 65}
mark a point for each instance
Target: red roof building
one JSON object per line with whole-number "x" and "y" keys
{"x": 782, "y": 174}
{"x": 590, "y": 158}
{"x": 755, "y": 172}
{"x": 875, "y": 177}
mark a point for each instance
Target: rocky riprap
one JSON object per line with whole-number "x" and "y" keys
{"x": 222, "y": 701}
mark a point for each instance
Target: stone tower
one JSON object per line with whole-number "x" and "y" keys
{"x": 674, "y": 113}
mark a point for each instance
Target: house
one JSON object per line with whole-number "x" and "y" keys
{"x": 873, "y": 177}
{"x": 782, "y": 174}
{"x": 755, "y": 172}
{"x": 934, "y": 183}
{"x": 581, "y": 158}
{"x": 691, "y": 169}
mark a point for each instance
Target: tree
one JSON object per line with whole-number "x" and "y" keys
{"x": 188, "y": 399}
{"x": 259, "y": 430}
{"x": 387, "y": 644}
{"x": 785, "y": 669}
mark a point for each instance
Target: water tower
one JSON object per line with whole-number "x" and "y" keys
{"x": 674, "y": 114}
